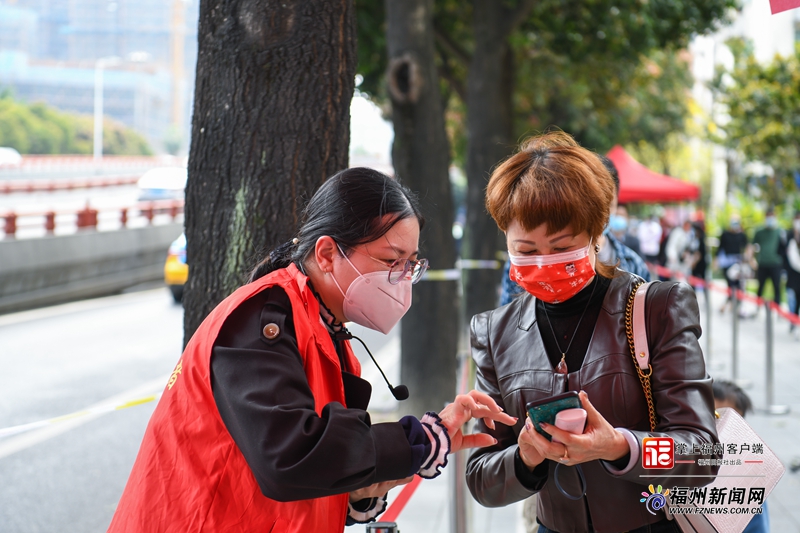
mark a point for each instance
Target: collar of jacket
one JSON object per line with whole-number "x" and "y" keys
{"x": 526, "y": 316}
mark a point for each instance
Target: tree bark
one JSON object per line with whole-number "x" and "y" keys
{"x": 421, "y": 157}
{"x": 271, "y": 122}
{"x": 489, "y": 140}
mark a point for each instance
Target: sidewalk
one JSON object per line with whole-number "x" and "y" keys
{"x": 428, "y": 510}
{"x": 780, "y": 432}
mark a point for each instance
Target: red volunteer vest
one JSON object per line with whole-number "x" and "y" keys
{"x": 189, "y": 475}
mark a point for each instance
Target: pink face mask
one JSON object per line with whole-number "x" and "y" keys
{"x": 552, "y": 278}
{"x": 371, "y": 301}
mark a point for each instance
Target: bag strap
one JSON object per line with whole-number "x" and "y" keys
{"x": 641, "y": 349}
{"x": 636, "y": 331}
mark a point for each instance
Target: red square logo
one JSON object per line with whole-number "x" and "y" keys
{"x": 658, "y": 452}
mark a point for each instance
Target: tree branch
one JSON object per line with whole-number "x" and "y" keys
{"x": 452, "y": 47}
{"x": 515, "y": 17}
{"x": 448, "y": 75}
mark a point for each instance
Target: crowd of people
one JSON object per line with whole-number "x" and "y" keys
{"x": 770, "y": 255}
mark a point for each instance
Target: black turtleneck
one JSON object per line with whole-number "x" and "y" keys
{"x": 565, "y": 319}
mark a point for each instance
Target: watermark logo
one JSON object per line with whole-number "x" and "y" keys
{"x": 706, "y": 500}
{"x": 656, "y": 500}
{"x": 658, "y": 452}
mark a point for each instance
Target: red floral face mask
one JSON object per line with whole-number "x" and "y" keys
{"x": 553, "y": 278}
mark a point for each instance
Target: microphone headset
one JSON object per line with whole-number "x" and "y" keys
{"x": 400, "y": 392}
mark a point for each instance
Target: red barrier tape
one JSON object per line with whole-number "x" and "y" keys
{"x": 740, "y": 295}
{"x": 664, "y": 272}
{"x": 791, "y": 317}
{"x": 720, "y": 288}
{"x": 400, "y": 502}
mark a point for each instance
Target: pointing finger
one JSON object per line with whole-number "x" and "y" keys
{"x": 477, "y": 440}
{"x": 486, "y": 400}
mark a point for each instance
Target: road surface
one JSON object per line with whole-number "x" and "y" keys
{"x": 63, "y": 359}
{"x": 58, "y": 360}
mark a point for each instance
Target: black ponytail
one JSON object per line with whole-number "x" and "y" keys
{"x": 349, "y": 207}
{"x": 280, "y": 257}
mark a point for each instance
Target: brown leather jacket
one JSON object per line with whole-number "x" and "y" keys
{"x": 513, "y": 368}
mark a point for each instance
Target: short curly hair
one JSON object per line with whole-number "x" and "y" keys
{"x": 552, "y": 180}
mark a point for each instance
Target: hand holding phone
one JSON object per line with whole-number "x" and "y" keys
{"x": 545, "y": 410}
{"x": 572, "y": 420}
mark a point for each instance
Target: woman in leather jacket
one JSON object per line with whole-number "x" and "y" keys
{"x": 567, "y": 333}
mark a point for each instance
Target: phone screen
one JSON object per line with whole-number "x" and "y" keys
{"x": 546, "y": 410}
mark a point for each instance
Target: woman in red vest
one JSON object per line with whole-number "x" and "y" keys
{"x": 263, "y": 424}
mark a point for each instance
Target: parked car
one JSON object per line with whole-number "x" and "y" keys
{"x": 163, "y": 183}
{"x": 176, "y": 271}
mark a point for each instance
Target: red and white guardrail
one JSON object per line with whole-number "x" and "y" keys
{"x": 88, "y": 217}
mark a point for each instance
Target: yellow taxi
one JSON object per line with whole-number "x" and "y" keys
{"x": 176, "y": 271}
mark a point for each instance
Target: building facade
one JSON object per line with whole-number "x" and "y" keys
{"x": 49, "y": 50}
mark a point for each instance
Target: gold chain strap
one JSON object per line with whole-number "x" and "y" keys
{"x": 644, "y": 378}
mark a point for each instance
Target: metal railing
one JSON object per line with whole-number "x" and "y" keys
{"x": 737, "y": 297}
{"x": 88, "y": 218}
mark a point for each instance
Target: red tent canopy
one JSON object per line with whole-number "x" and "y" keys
{"x": 637, "y": 183}
{"x": 778, "y": 6}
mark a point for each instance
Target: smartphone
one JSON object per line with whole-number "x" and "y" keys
{"x": 545, "y": 410}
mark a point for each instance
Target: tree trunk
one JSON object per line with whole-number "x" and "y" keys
{"x": 421, "y": 157}
{"x": 271, "y": 122}
{"x": 489, "y": 140}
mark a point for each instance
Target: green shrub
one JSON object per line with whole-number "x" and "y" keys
{"x": 40, "y": 129}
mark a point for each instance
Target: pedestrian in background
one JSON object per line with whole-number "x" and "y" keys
{"x": 769, "y": 244}
{"x": 793, "y": 267}
{"x": 697, "y": 247}
{"x": 612, "y": 249}
{"x": 649, "y": 233}
{"x": 728, "y": 394}
{"x": 666, "y": 229}
{"x": 731, "y": 256}
{"x": 619, "y": 224}
{"x": 677, "y": 250}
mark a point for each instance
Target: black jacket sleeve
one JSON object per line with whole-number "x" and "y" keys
{"x": 265, "y": 401}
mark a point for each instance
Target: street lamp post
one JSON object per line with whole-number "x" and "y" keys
{"x": 99, "y": 65}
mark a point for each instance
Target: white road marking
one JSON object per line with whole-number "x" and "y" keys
{"x": 26, "y": 440}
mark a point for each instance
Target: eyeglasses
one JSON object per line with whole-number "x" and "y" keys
{"x": 402, "y": 268}
{"x": 407, "y": 269}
